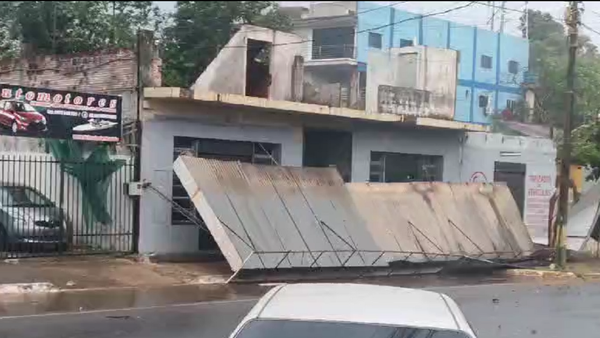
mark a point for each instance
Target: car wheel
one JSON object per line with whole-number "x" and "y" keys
{"x": 14, "y": 127}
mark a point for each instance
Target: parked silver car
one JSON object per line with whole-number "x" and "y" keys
{"x": 29, "y": 219}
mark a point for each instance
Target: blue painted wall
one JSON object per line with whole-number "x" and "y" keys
{"x": 472, "y": 43}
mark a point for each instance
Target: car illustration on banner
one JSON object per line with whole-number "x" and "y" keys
{"x": 94, "y": 125}
{"x": 59, "y": 114}
{"x": 21, "y": 117}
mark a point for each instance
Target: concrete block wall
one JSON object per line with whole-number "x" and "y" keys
{"x": 157, "y": 234}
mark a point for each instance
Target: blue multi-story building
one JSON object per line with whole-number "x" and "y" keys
{"x": 491, "y": 65}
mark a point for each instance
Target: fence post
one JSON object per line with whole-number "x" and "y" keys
{"x": 63, "y": 214}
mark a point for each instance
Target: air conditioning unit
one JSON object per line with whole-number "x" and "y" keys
{"x": 488, "y": 109}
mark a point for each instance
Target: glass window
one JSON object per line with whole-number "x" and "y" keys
{"x": 483, "y": 101}
{"x": 486, "y": 62}
{"x": 28, "y": 108}
{"x": 303, "y": 329}
{"x": 406, "y": 43}
{"x": 375, "y": 40}
{"x": 397, "y": 167}
{"x": 513, "y": 67}
{"x": 25, "y": 197}
{"x": 511, "y": 104}
{"x": 225, "y": 150}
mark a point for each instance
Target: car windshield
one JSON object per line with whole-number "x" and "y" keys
{"x": 305, "y": 329}
{"x": 22, "y": 197}
{"x": 28, "y": 108}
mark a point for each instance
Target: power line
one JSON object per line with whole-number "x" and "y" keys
{"x": 358, "y": 13}
{"x": 498, "y": 7}
{"x": 416, "y": 17}
{"x": 590, "y": 28}
{"x": 341, "y": 18}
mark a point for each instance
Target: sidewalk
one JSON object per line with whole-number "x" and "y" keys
{"x": 69, "y": 273}
{"x": 75, "y": 284}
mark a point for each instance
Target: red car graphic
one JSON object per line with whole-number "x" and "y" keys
{"x": 21, "y": 117}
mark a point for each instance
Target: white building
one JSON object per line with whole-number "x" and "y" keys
{"x": 247, "y": 106}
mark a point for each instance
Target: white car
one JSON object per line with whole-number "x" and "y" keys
{"x": 353, "y": 311}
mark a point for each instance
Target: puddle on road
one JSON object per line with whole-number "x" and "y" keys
{"x": 107, "y": 299}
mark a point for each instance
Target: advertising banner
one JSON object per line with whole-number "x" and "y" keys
{"x": 46, "y": 113}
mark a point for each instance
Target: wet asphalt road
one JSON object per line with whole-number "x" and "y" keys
{"x": 495, "y": 311}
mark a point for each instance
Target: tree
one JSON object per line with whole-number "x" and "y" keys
{"x": 200, "y": 29}
{"x": 62, "y": 27}
{"x": 548, "y": 59}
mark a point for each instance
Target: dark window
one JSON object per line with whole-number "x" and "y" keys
{"x": 225, "y": 150}
{"x": 513, "y": 67}
{"x": 406, "y": 43}
{"x": 483, "y": 101}
{"x": 396, "y": 167}
{"x": 331, "y": 43}
{"x": 486, "y": 62}
{"x": 375, "y": 40}
{"x": 260, "y": 328}
{"x": 511, "y": 104}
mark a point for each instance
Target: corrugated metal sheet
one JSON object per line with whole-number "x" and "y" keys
{"x": 281, "y": 217}
{"x": 433, "y": 221}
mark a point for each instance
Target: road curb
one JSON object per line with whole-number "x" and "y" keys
{"x": 25, "y": 288}
{"x": 544, "y": 274}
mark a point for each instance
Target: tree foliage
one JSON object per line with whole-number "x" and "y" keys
{"x": 548, "y": 59}
{"x": 200, "y": 29}
{"x": 63, "y": 27}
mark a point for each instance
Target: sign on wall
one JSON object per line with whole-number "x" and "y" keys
{"x": 540, "y": 188}
{"x": 46, "y": 113}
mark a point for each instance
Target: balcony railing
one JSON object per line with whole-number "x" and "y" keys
{"x": 530, "y": 78}
{"x": 324, "y": 52}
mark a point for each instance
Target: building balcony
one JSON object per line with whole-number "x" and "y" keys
{"x": 530, "y": 79}
{"x": 318, "y": 55}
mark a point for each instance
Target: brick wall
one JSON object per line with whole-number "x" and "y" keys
{"x": 101, "y": 72}
{"x": 107, "y": 72}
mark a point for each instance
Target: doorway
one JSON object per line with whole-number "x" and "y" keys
{"x": 513, "y": 174}
{"x": 258, "y": 72}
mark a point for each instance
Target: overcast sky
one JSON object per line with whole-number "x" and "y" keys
{"x": 479, "y": 14}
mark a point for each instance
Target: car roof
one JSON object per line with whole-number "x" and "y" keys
{"x": 361, "y": 303}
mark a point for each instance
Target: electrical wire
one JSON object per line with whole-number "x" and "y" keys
{"x": 590, "y": 28}
{"x": 332, "y": 20}
{"x": 416, "y": 17}
{"x": 371, "y": 9}
{"x": 499, "y": 7}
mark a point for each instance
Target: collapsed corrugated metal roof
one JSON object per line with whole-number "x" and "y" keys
{"x": 583, "y": 227}
{"x": 266, "y": 217}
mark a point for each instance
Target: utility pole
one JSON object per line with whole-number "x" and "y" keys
{"x": 502, "y": 16}
{"x": 526, "y": 20}
{"x": 572, "y": 20}
{"x": 493, "y": 7}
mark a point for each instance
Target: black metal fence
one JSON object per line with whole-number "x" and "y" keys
{"x": 50, "y": 207}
